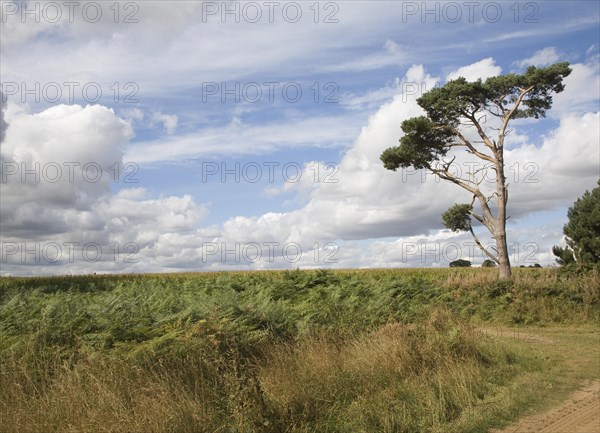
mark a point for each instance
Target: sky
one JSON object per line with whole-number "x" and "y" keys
{"x": 167, "y": 136}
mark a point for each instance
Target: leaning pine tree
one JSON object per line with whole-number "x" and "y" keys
{"x": 460, "y": 104}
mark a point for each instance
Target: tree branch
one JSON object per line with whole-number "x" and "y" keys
{"x": 488, "y": 216}
{"x": 481, "y": 132}
{"x": 511, "y": 113}
{"x": 479, "y": 218}
{"x": 487, "y": 253}
{"x": 471, "y": 147}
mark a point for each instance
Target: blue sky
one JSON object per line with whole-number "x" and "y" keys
{"x": 359, "y": 66}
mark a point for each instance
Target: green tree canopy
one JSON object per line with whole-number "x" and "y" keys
{"x": 427, "y": 139}
{"x": 457, "y": 218}
{"x": 460, "y": 263}
{"x": 582, "y": 232}
{"x": 459, "y": 104}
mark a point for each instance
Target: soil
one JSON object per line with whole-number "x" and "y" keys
{"x": 517, "y": 335}
{"x": 580, "y": 413}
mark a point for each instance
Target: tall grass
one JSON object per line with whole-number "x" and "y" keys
{"x": 397, "y": 378}
{"x": 293, "y": 351}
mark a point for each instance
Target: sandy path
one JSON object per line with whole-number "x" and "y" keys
{"x": 517, "y": 335}
{"x": 579, "y": 414}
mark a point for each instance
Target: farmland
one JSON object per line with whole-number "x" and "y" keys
{"x": 401, "y": 350}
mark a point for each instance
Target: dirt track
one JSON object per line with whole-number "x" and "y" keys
{"x": 578, "y": 414}
{"x": 522, "y": 336}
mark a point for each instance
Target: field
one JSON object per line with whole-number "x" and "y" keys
{"x": 293, "y": 351}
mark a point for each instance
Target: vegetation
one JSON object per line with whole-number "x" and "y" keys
{"x": 582, "y": 232}
{"x": 458, "y": 104}
{"x": 488, "y": 264}
{"x": 460, "y": 263}
{"x": 292, "y": 351}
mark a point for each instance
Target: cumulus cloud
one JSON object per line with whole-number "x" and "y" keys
{"x": 439, "y": 248}
{"x": 58, "y": 209}
{"x": 582, "y": 88}
{"x": 557, "y": 172}
{"x": 483, "y": 69}
{"x": 367, "y": 202}
{"x": 64, "y": 156}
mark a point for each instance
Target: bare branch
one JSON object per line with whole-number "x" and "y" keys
{"x": 482, "y": 220}
{"x": 489, "y": 217}
{"x": 479, "y": 218}
{"x": 479, "y": 244}
{"x": 448, "y": 164}
{"x": 471, "y": 147}
{"x": 486, "y": 168}
{"x": 511, "y": 113}
{"x": 481, "y": 132}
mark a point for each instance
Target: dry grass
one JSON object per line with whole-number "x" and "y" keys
{"x": 99, "y": 394}
{"x": 374, "y": 351}
{"x": 399, "y": 378}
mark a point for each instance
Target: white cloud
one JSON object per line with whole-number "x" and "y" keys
{"x": 52, "y": 202}
{"x": 167, "y": 33}
{"x": 370, "y": 202}
{"x": 393, "y": 54}
{"x": 373, "y": 99}
{"x": 582, "y": 88}
{"x": 438, "y": 249}
{"x": 132, "y": 115}
{"x": 239, "y": 138}
{"x": 555, "y": 174}
{"x": 542, "y": 57}
{"x": 3, "y": 124}
{"x": 22, "y": 22}
{"x": 71, "y": 152}
{"x": 483, "y": 69}
{"x": 564, "y": 26}
{"x": 367, "y": 203}
{"x": 169, "y": 121}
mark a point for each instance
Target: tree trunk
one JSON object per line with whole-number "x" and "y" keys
{"x": 500, "y": 232}
{"x": 503, "y": 260}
